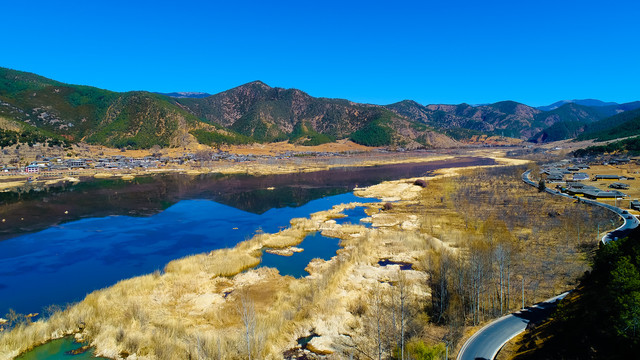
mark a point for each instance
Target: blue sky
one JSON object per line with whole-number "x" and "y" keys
{"x": 535, "y": 52}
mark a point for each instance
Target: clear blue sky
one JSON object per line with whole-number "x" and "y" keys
{"x": 535, "y": 52}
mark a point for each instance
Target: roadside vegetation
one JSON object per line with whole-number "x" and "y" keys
{"x": 446, "y": 253}
{"x": 601, "y": 319}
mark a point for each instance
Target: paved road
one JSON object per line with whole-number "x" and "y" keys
{"x": 486, "y": 343}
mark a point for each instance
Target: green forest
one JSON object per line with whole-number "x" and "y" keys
{"x": 632, "y": 146}
{"x": 9, "y": 138}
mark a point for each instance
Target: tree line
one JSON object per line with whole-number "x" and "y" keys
{"x": 10, "y": 138}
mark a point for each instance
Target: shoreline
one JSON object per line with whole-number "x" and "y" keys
{"x": 255, "y": 168}
{"x": 20, "y": 221}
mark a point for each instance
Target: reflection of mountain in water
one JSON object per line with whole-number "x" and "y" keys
{"x": 144, "y": 196}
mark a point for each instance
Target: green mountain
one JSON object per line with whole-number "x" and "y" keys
{"x": 559, "y": 131}
{"x": 31, "y": 105}
{"x": 507, "y": 118}
{"x": 248, "y": 113}
{"x": 82, "y": 113}
{"x": 566, "y": 121}
{"x": 264, "y": 113}
{"x": 614, "y": 127}
{"x": 631, "y": 146}
{"x": 585, "y": 102}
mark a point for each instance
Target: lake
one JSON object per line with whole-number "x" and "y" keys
{"x": 57, "y": 350}
{"x": 64, "y": 242}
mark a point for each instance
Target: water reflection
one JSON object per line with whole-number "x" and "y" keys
{"x": 39, "y": 209}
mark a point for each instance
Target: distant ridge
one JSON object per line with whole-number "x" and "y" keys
{"x": 186, "y": 94}
{"x": 583, "y": 102}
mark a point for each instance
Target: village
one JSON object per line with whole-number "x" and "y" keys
{"x": 61, "y": 165}
{"x": 611, "y": 180}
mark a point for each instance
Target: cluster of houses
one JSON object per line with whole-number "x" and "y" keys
{"x": 568, "y": 178}
{"x": 120, "y": 162}
{"x": 616, "y": 161}
{"x": 558, "y": 172}
{"x": 58, "y": 164}
{"x": 590, "y": 192}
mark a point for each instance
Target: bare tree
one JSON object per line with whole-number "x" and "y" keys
{"x": 402, "y": 292}
{"x": 379, "y": 316}
{"x": 246, "y": 309}
{"x": 439, "y": 269}
{"x": 479, "y": 263}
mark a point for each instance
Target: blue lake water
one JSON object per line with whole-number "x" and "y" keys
{"x": 314, "y": 245}
{"x": 65, "y": 262}
{"x": 56, "y": 350}
{"x": 353, "y": 216}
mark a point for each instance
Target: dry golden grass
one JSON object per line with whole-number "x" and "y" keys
{"x": 162, "y": 315}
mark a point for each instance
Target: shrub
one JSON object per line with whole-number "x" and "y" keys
{"x": 421, "y": 183}
{"x": 541, "y": 185}
{"x": 420, "y": 351}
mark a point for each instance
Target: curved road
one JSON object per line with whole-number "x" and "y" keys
{"x": 486, "y": 343}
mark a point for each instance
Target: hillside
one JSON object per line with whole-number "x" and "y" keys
{"x": 506, "y": 118}
{"x": 265, "y": 113}
{"x": 617, "y": 126}
{"x": 83, "y": 113}
{"x": 565, "y": 122}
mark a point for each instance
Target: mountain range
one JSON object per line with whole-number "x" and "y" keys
{"x": 256, "y": 112}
